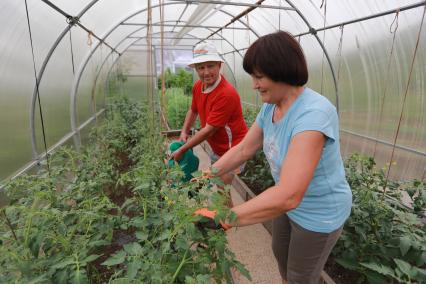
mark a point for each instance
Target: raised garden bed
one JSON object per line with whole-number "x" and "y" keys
{"x": 112, "y": 213}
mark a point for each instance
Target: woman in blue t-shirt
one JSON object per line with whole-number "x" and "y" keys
{"x": 299, "y": 132}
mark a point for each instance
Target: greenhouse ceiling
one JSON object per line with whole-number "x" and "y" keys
{"x": 56, "y": 58}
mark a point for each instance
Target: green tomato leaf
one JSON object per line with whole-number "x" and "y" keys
{"x": 133, "y": 268}
{"x": 348, "y": 263}
{"x": 420, "y": 274}
{"x": 40, "y": 279}
{"x": 243, "y": 270}
{"x": 133, "y": 248}
{"x": 404, "y": 244}
{"x": 422, "y": 259}
{"x": 200, "y": 279}
{"x": 115, "y": 259}
{"x": 375, "y": 278}
{"x": 181, "y": 243}
{"x": 377, "y": 267}
{"x": 61, "y": 277}
{"x": 63, "y": 264}
{"x": 190, "y": 280}
{"x": 90, "y": 258}
{"x": 80, "y": 277}
{"x": 142, "y": 236}
{"x": 404, "y": 266}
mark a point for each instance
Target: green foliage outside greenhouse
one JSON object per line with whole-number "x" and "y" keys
{"x": 177, "y": 104}
{"x": 181, "y": 79}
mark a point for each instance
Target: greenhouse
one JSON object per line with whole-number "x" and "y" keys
{"x": 109, "y": 133}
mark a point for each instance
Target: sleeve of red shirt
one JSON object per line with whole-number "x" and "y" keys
{"x": 223, "y": 108}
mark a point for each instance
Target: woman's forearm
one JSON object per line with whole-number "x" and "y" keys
{"x": 232, "y": 159}
{"x": 266, "y": 206}
{"x": 240, "y": 153}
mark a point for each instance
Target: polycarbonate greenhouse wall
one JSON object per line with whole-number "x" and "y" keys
{"x": 368, "y": 57}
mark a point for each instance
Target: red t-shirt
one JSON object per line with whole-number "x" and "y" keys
{"x": 220, "y": 108}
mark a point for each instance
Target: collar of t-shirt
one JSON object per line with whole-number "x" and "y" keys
{"x": 212, "y": 87}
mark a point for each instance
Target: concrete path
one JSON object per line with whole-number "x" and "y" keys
{"x": 252, "y": 247}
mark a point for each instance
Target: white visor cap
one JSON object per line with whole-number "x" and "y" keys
{"x": 204, "y": 52}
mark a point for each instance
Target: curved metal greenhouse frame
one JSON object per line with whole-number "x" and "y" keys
{"x": 218, "y": 7}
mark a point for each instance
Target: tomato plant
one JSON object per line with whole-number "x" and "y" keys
{"x": 112, "y": 212}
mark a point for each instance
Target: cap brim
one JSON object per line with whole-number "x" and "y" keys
{"x": 204, "y": 58}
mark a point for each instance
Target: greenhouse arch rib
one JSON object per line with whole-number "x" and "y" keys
{"x": 84, "y": 10}
{"x": 314, "y": 33}
{"x": 139, "y": 38}
{"x": 132, "y": 44}
{"x": 47, "y": 58}
{"x": 46, "y": 61}
{"x": 78, "y": 74}
{"x": 40, "y": 75}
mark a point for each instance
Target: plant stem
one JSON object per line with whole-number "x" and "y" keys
{"x": 9, "y": 224}
{"x": 179, "y": 267}
{"x": 77, "y": 263}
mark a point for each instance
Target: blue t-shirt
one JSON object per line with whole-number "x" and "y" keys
{"x": 327, "y": 202}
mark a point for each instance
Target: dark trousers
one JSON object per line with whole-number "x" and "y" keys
{"x": 301, "y": 254}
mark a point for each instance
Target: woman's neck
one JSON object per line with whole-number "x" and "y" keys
{"x": 290, "y": 95}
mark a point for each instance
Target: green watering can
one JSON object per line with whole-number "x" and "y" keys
{"x": 189, "y": 162}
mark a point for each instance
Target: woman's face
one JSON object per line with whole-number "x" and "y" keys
{"x": 270, "y": 91}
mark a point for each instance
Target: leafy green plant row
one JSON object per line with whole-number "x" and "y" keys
{"x": 112, "y": 213}
{"x": 257, "y": 173}
{"x": 383, "y": 240}
{"x": 181, "y": 79}
{"x": 177, "y": 105}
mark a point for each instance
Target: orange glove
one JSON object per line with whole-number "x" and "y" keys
{"x": 210, "y": 223}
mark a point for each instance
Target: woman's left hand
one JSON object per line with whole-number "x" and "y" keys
{"x": 208, "y": 220}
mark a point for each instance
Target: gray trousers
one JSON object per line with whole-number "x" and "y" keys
{"x": 301, "y": 254}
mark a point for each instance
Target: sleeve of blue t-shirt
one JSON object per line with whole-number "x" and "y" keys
{"x": 315, "y": 120}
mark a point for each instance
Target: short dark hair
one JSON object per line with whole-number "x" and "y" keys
{"x": 279, "y": 57}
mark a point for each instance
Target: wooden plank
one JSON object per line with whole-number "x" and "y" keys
{"x": 176, "y": 132}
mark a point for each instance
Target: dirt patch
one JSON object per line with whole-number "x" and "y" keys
{"x": 119, "y": 238}
{"x": 118, "y": 194}
{"x": 339, "y": 274}
{"x": 125, "y": 162}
